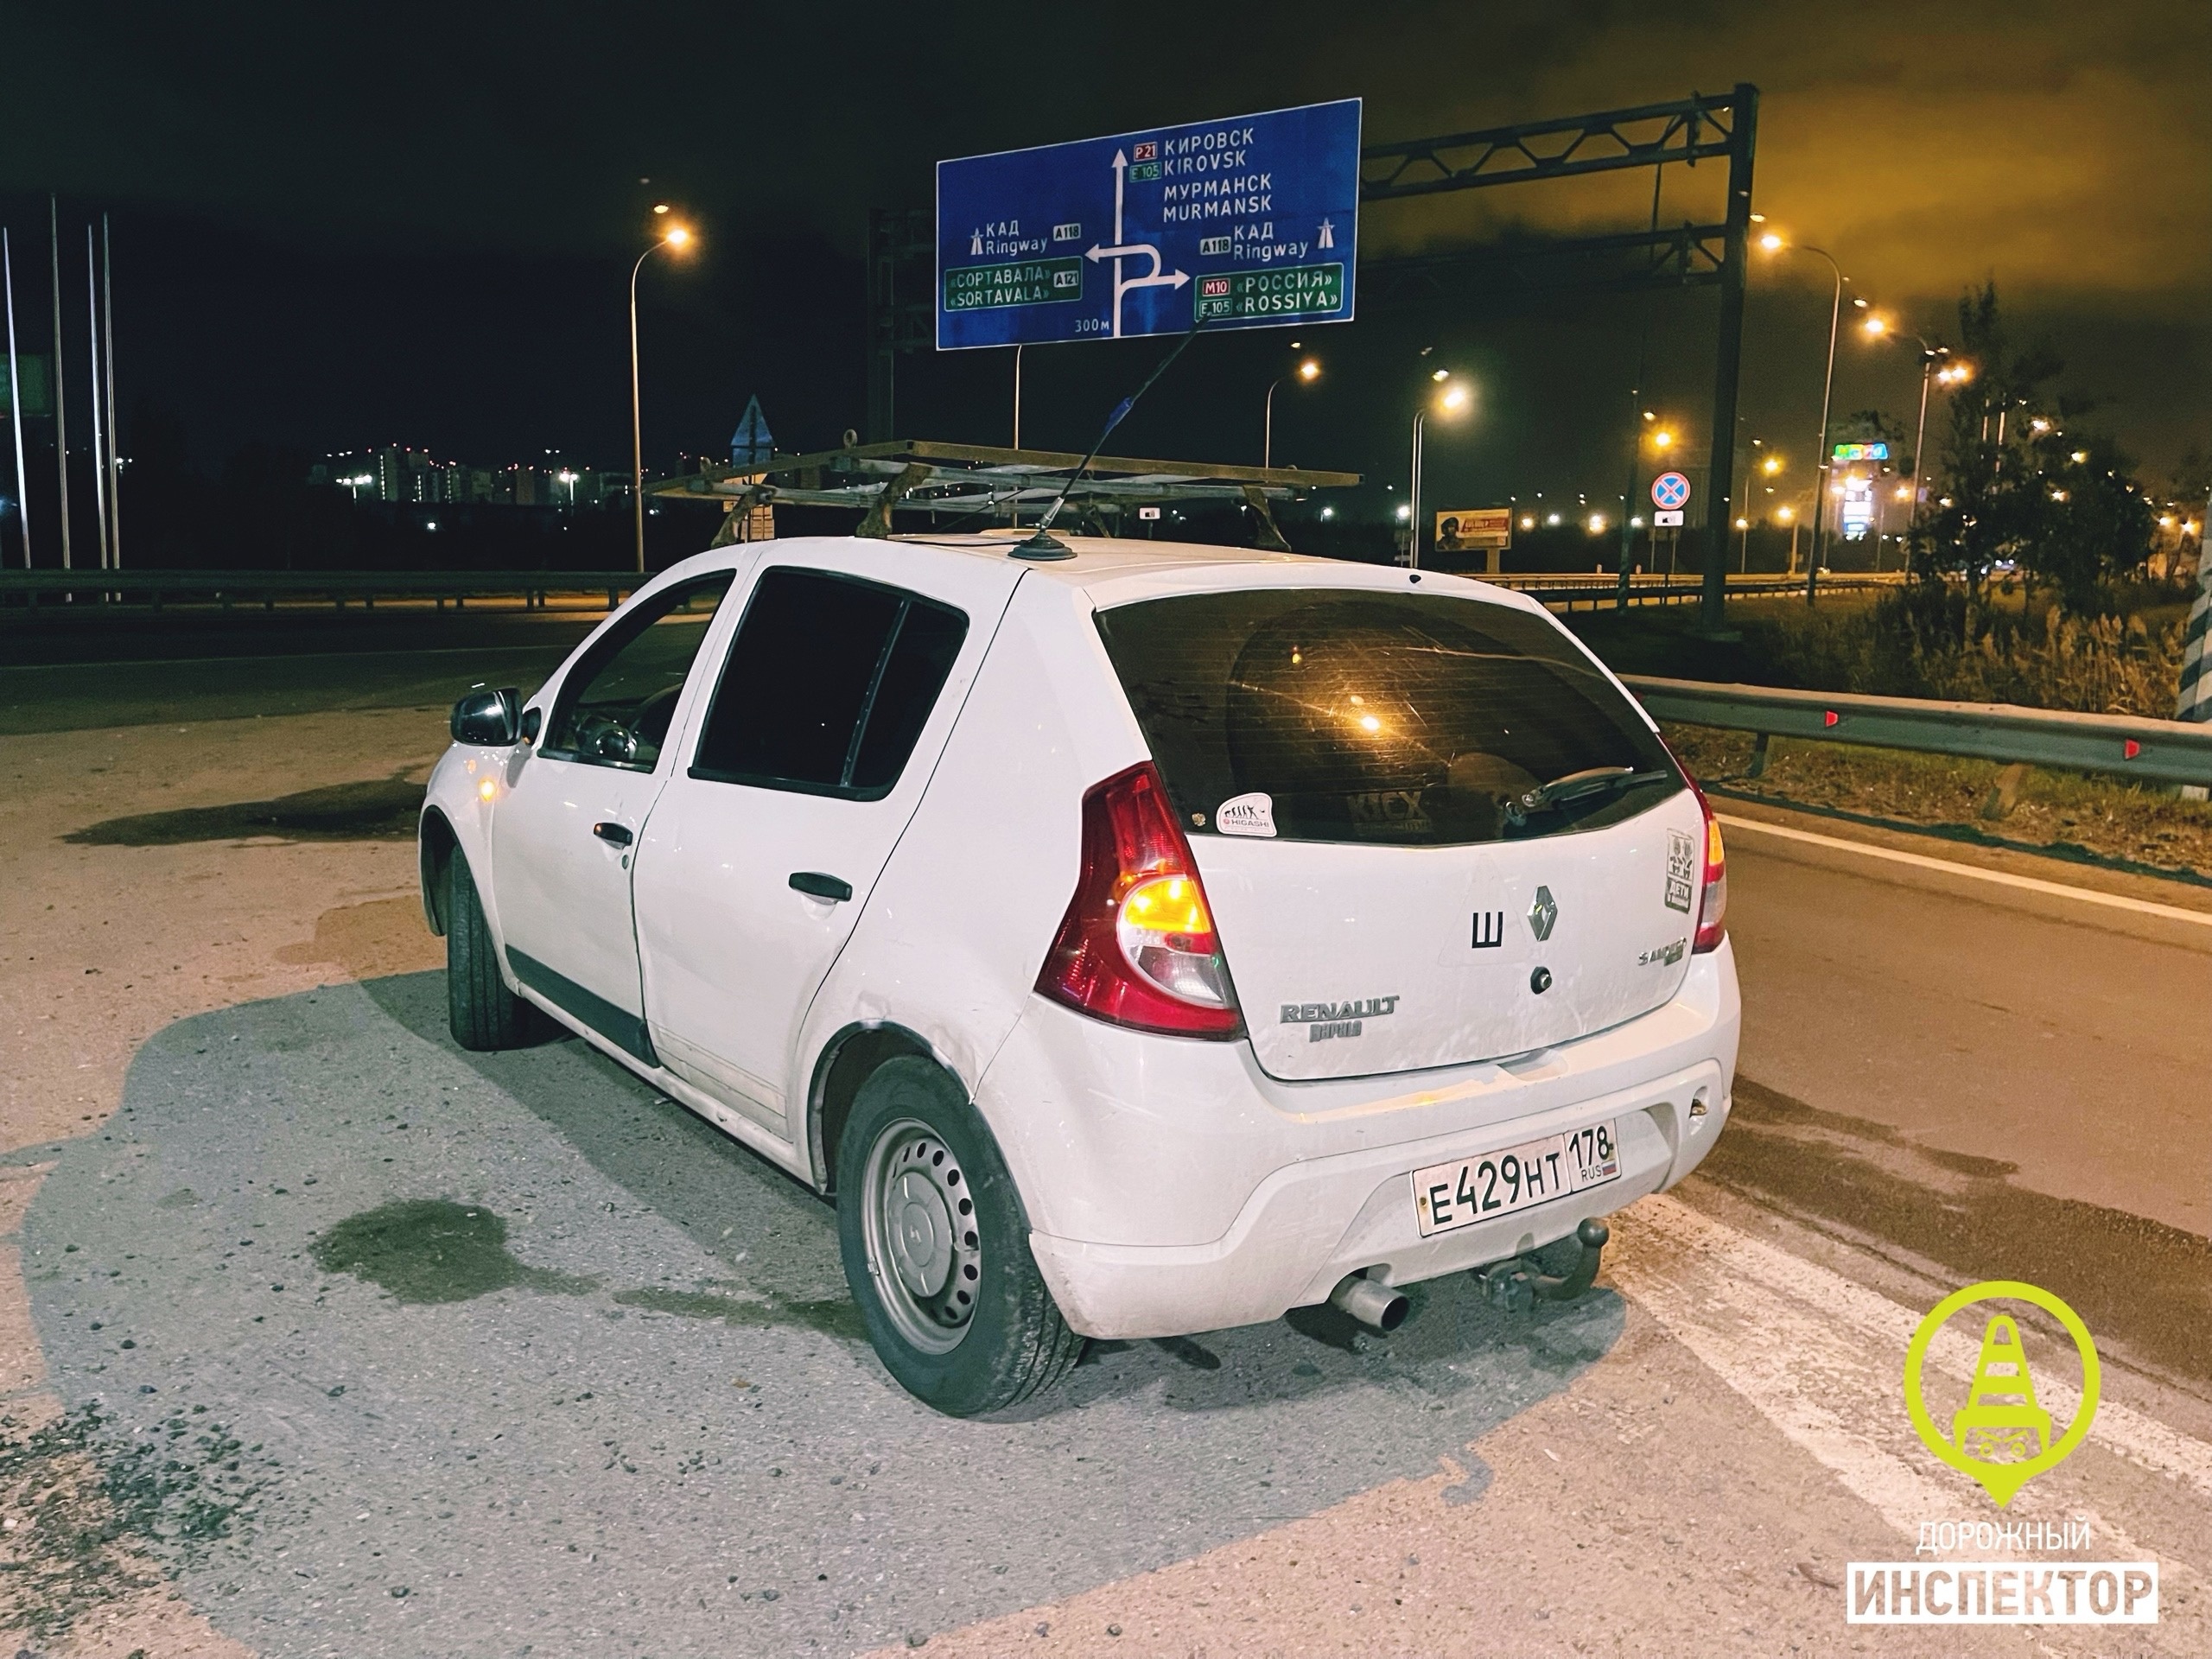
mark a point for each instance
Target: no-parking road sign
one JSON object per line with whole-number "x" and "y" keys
{"x": 1671, "y": 491}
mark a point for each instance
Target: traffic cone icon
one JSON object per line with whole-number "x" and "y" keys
{"x": 2001, "y": 1421}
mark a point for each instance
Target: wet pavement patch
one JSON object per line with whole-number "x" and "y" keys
{"x": 635, "y": 1465}
{"x": 432, "y": 1251}
{"x": 2143, "y": 1286}
{"x": 384, "y": 809}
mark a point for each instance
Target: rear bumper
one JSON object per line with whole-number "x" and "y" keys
{"x": 1210, "y": 1200}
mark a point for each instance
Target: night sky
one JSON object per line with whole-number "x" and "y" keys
{"x": 339, "y": 226}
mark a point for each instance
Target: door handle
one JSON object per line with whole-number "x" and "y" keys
{"x": 617, "y": 834}
{"x": 816, "y": 885}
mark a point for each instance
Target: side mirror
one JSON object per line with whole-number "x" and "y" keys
{"x": 492, "y": 719}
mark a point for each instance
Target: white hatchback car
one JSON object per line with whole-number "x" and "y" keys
{"x": 1137, "y": 944}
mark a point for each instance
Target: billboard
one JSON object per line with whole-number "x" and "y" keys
{"x": 1467, "y": 529}
{"x": 1250, "y": 222}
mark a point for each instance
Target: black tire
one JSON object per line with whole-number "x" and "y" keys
{"x": 1010, "y": 1342}
{"x": 482, "y": 1012}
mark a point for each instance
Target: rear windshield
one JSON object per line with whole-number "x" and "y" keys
{"x": 1402, "y": 718}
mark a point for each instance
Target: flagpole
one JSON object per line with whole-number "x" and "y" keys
{"x": 61, "y": 401}
{"x": 99, "y": 439}
{"x": 114, "y": 421}
{"x": 16, "y": 397}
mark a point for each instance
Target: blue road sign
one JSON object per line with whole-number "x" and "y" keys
{"x": 1250, "y": 223}
{"x": 1669, "y": 490}
{"x": 752, "y": 442}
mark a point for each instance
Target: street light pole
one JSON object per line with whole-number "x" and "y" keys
{"x": 1773, "y": 243}
{"x": 1412, "y": 520}
{"x": 1308, "y": 371}
{"x": 675, "y": 237}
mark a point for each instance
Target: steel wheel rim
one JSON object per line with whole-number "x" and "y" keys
{"x": 918, "y": 1223}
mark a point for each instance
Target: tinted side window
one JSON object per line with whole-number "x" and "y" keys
{"x": 829, "y": 683}
{"x": 615, "y": 706}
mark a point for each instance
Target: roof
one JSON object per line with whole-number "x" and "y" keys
{"x": 1117, "y": 570}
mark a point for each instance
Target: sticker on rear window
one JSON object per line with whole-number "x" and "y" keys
{"x": 1681, "y": 868}
{"x": 1246, "y": 815}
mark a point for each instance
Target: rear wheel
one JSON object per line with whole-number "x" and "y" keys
{"x": 482, "y": 1012}
{"x": 937, "y": 1250}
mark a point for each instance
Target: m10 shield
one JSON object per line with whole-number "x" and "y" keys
{"x": 1250, "y": 222}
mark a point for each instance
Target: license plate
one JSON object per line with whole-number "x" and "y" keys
{"x": 1459, "y": 1194}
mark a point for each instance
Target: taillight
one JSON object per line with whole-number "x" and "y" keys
{"x": 1137, "y": 945}
{"x": 1713, "y": 890}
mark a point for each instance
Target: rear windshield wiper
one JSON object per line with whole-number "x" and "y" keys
{"x": 1579, "y": 785}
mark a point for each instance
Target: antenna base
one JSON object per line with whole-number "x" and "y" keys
{"x": 1043, "y": 547}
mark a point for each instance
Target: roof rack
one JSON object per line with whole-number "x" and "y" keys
{"x": 920, "y": 475}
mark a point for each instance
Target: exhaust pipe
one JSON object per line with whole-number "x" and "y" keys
{"x": 1370, "y": 1301}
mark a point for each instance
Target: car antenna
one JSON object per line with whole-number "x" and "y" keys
{"x": 1044, "y": 545}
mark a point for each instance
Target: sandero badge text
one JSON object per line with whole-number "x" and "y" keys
{"x": 1324, "y": 1021}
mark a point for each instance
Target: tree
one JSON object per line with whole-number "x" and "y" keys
{"x": 2014, "y": 487}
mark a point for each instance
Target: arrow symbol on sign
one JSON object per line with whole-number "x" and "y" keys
{"x": 1121, "y": 251}
{"x": 1153, "y": 278}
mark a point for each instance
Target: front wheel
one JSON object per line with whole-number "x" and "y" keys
{"x": 936, "y": 1251}
{"x": 482, "y": 1012}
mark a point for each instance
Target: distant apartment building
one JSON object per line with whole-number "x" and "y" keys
{"x": 410, "y": 477}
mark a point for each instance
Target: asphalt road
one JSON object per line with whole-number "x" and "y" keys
{"x": 661, "y": 1431}
{"x": 555, "y": 1367}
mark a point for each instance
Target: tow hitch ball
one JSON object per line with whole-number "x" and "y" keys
{"x": 1519, "y": 1283}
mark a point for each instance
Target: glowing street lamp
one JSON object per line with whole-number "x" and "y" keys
{"x": 1451, "y": 398}
{"x": 677, "y": 237}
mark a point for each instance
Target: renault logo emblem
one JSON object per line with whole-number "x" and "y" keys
{"x": 1543, "y": 915}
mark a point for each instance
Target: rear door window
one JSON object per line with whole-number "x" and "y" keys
{"x": 827, "y": 685}
{"x": 1402, "y": 718}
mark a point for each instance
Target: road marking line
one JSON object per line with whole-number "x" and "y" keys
{"x": 2002, "y": 877}
{"x": 1791, "y": 1310}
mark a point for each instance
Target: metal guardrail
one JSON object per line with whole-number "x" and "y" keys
{"x": 1603, "y": 592}
{"x": 2123, "y": 746}
{"x": 154, "y": 587}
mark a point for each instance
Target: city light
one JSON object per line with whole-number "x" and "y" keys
{"x": 677, "y": 237}
{"x": 1876, "y": 326}
{"x": 660, "y": 208}
{"x": 1453, "y": 397}
{"x": 1771, "y": 465}
{"x": 1441, "y": 374}
{"x": 1597, "y": 524}
{"x": 1528, "y": 521}
{"x": 1662, "y": 439}
{"x": 2079, "y": 456}
{"x": 1551, "y": 518}
{"x": 1743, "y": 524}
{"x": 1328, "y": 512}
{"x": 1309, "y": 369}
{"x": 1785, "y": 514}
{"x": 1770, "y": 242}
{"x": 1404, "y": 512}
{"x": 2039, "y": 425}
